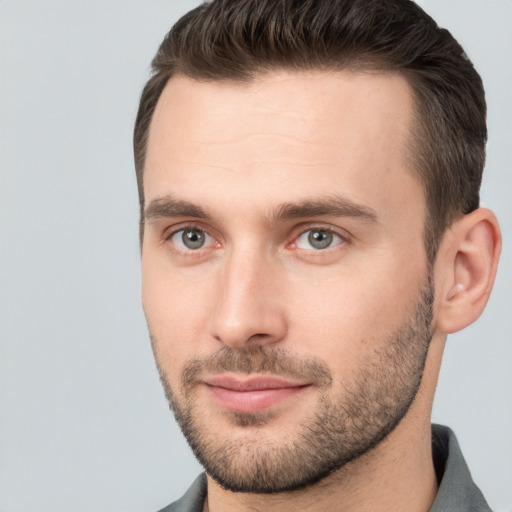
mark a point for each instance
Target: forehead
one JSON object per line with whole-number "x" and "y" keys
{"x": 282, "y": 133}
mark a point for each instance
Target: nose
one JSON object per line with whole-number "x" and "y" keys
{"x": 249, "y": 310}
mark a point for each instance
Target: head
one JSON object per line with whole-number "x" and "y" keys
{"x": 301, "y": 168}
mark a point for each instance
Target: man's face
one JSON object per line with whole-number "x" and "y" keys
{"x": 284, "y": 275}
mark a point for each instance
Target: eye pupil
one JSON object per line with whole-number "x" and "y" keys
{"x": 320, "y": 239}
{"x": 193, "y": 238}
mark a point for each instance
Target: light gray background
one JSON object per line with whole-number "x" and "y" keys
{"x": 83, "y": 422}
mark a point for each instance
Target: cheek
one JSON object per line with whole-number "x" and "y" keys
{"x": 348, "y": 316}
{"x": 176, "y": 310}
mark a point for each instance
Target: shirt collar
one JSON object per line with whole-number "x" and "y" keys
{"x": 457, "y": 491}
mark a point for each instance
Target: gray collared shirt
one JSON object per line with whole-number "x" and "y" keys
{"x": 457, "y": 491}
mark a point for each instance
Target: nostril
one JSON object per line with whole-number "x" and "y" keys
{"x": 257, "y": 336}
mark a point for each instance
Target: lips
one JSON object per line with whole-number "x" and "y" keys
{"x": 252, "y": 395}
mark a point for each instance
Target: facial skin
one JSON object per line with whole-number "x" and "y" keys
{"x": 278, "y": 262}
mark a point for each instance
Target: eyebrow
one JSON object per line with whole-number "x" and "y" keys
{"x": 332, "y": 206}
{"x": 167, "y": 206}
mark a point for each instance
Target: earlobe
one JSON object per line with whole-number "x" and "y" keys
{"x": 465, "y": 269}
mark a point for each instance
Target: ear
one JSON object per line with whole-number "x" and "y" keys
{"x": 465, "y": 269}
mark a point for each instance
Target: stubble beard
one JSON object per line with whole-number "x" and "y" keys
{"x": 346, "y": 424}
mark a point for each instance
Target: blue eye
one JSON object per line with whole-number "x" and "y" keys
{"x": 190, "y": 239}
{"x": 317, "y": 239}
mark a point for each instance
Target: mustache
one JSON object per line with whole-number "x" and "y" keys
{"x": 261, "y": 359}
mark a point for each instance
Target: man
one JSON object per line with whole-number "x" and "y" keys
{"x": 309, "y": 177}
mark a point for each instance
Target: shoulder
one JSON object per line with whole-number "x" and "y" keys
{"x": 457, "y": 491}
{"x": 192, "y": 500}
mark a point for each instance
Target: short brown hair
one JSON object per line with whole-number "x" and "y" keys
{"x": 238, "y": 40}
